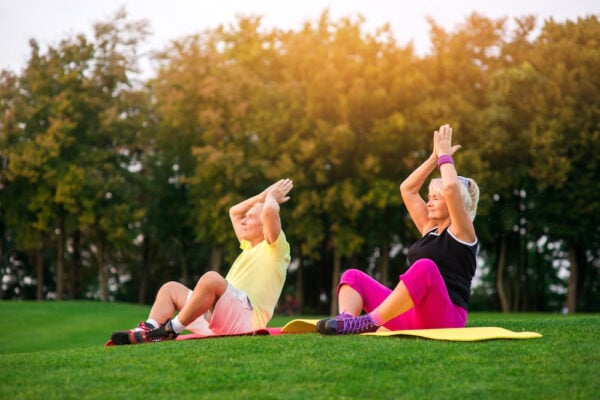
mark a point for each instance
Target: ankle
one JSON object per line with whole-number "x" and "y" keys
{"x": 377, "y": 318}
{"x": 177, "y": 326}
{"x": 152, "y": 323}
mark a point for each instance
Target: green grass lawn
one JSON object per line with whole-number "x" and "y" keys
{"x": 55, "y": 350}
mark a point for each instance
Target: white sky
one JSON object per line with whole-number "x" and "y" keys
{"x": 49, "y": 21}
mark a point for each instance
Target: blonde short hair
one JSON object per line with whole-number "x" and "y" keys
{"x": 469, "y": 192}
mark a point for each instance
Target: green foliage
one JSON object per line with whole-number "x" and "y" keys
{"x": 143, "y": 173}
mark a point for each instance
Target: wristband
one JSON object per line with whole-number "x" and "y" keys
{"x": 444, "y": 159}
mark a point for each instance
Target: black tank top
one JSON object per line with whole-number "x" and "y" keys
{"x": 454, "y": 259}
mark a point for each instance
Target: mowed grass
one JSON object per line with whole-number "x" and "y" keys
{"x": 55, "y": 350}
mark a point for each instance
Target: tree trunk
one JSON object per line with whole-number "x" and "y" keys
{"x": 60, "y": 258}
{"x": 586, "y": 282}
{"x": 299, "y": 287}
{"x": 516, "y": 298}
{"x": 500, "y": 264}
{"x": 145, "y": 268}
{"x": 1, "y": 253}
{"x": 74, "y": 285}
{"x": 385, "y": 261}
{"x": 185, "y": 273}
{"x": 516, "y": 293}
{"x": 39, "y": 274}
{"x": 102, "y": 273}
{"x": 335, "y": 277}
{"x": 573, "y": 278}
{"x": 215, "y": 259}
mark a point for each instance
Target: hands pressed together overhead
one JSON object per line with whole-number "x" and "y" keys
{"x": 279, "y": 190}
{"x": 442, "y": 142}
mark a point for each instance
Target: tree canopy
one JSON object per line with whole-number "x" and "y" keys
{"x": 111, "y": 186}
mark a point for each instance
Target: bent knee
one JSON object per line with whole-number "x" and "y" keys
{"x": 212, "y": 279}
{"x": 350, "y": 275}
{"x": 173, "y": 289}
{"x": 425, "y": 267}
{"x": 171, "y": 286}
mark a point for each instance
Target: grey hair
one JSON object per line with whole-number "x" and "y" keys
{"x": 469, "y": 192}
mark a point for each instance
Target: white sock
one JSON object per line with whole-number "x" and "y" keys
{"x": 178, "y": 327}
{"x": 153, "y": 323}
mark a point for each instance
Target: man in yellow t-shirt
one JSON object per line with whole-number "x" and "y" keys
{"x": 242, "y": 301}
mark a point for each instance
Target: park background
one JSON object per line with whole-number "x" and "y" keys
{"x": 113, "y": 182}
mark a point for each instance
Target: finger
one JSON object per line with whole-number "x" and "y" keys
{"x": 455, "y": 148}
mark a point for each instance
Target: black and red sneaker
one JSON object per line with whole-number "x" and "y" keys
{"x": 165, "y": 332}
{"x": 132, "y": 336}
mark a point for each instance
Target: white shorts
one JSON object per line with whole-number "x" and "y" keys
{"x": 232, "y": 315}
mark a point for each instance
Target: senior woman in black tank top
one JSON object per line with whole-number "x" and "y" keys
{"x": 434, "y": 291}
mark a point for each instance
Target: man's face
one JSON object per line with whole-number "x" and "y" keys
{"x": 252, "y": 227}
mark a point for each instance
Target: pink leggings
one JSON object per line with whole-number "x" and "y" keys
{"x": 432, "y": 305}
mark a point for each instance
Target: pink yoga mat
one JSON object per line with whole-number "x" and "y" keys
{"x": 258, "y": 332}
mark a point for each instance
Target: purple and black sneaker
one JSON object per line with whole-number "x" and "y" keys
{"x": 346, "y": 324}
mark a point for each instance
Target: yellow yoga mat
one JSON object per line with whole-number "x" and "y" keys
{"x": 470, "y": 334}
{"x": 300, "y": 326}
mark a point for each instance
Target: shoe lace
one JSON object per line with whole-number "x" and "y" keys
{"x": 356, "y": 325}
{"x": 144, "y": 327}
{"x": 159, "y": 334}
{"x": 344, "y": 315}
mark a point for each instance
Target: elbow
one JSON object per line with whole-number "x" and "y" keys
{"x": 408, "y": 189}
{"x": 270, "y": 209}
{"x": 404, "y": 187}
{"x": 450, "y": 189}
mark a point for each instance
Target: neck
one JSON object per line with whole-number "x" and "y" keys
{"x": 256, "y": 240}
{"x": 442, "y": 225}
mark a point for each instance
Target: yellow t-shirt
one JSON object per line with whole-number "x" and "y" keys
{"x": 260, "y": 272}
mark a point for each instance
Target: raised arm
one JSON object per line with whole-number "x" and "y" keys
{"x": 409, "y": 189}
{"x": 461, "y": 224}
{"x": 238, "y": 212}
{"x": 276, "y": 195}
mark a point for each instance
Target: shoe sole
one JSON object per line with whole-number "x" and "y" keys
{"x": 323, "y": 328}
{"x": 127, "y": 337}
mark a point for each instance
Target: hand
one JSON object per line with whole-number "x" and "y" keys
{"x": 279, "y": 190}
{"x": 442, "y": 141}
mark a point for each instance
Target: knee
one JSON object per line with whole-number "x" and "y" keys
{"x": 172, "y": 290}
{"x": 425, "y": 267}
{"x": 350, "y": 275}
{"x": 170, "y": 287}
{"x": 211, "y": 279}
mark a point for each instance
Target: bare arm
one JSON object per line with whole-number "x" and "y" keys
{"x": 409, "y": 189}
{"x": 461, "y": 224}
{"x": 238, "y": 211}
{"x": 276, "y": 195}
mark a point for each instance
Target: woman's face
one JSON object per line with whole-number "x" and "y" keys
{"x": 436, "y": 206}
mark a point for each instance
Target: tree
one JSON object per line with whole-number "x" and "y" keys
{"x": 566, "y": 144}
{"x": 68, "y": 138}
